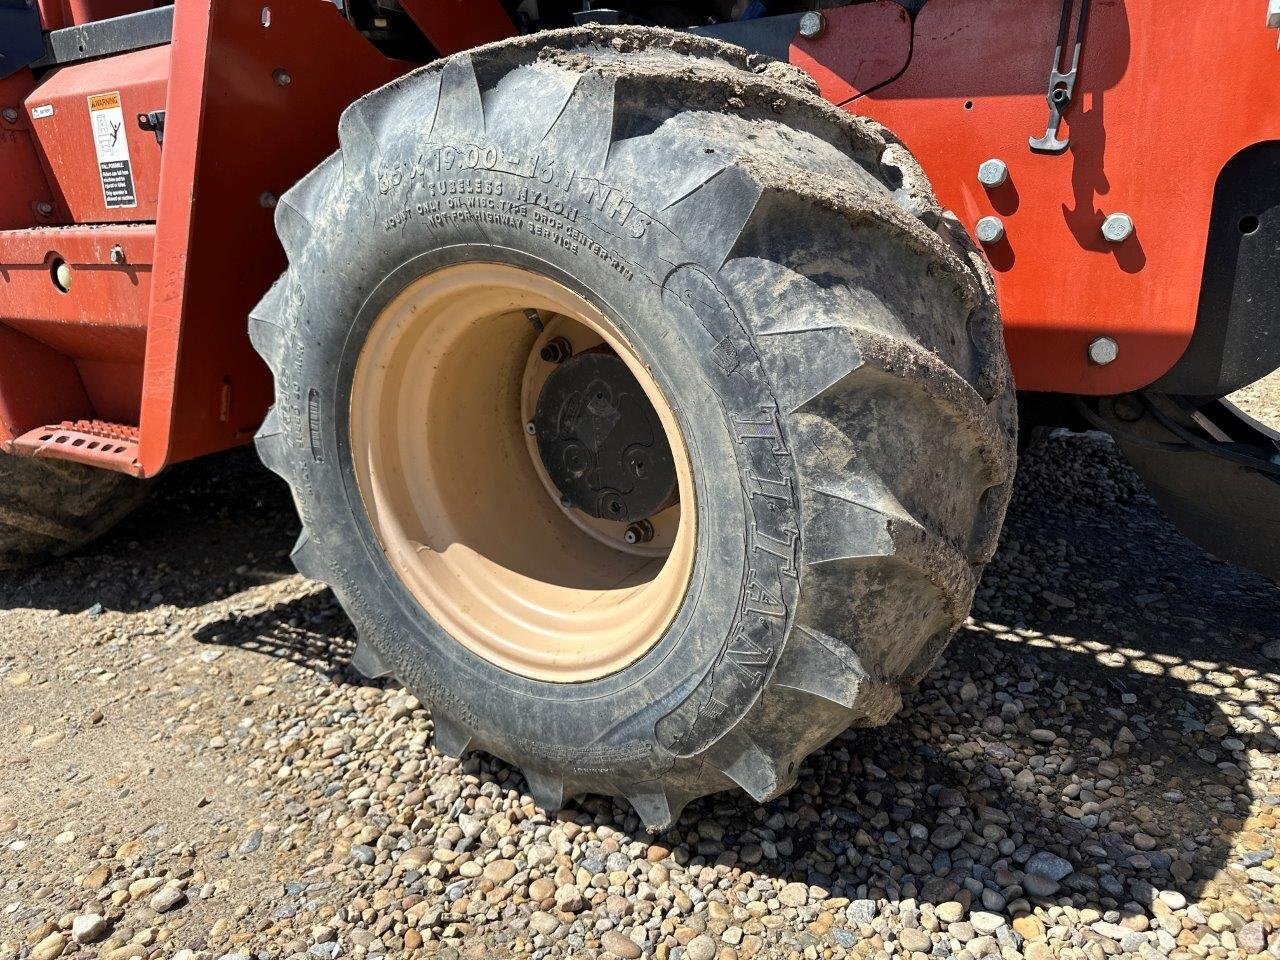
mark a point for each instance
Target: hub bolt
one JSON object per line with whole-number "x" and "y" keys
{"x": 993, "y": 173}
{"x": 1117, "y": 228}
{"x": 281, "y": 76}
{"x": 1103, "y": 350}
{"x": 10, "y": 115}
{"x": 990, "y": 230}
{"x": 556, "y": 350}
{"x": 639, "y": 532}
{"x": 531, "y": 429}
{"x": 813, "y": 25}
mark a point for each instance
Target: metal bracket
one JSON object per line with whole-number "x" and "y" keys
{"x": 153, "y": 122}
{"x": 102, "y": 38}
{"x": 1062, "y": 85}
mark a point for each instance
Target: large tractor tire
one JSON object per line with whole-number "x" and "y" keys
{"x": 49, "y": 508}
{"x": 752, "y": 504}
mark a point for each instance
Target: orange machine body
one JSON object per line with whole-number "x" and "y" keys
{"x": 144, "y": 358}
{"x": 1168, "y": 92}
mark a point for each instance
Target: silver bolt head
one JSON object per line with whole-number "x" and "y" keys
{"x": 282, "y": 77}
{"x": 44, "y": 208}
{"x": 117, "y": 254}
{"x": 993, "y": 172}
{"x": 813, "y": 25}
{"x": 990, "y": 230}
{"x": 1117, "y": 228}
{"x": 1103, "y": 350}
{"x": 530, "y": 428}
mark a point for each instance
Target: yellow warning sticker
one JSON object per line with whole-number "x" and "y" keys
{"x": 104, "y": 101}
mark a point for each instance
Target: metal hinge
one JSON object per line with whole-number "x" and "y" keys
{"x": 153, "y": 121}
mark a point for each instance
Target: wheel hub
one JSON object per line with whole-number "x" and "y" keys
{"x": 601, "y": 441}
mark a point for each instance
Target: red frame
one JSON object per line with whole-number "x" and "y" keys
{"x": 1169, "y": 91}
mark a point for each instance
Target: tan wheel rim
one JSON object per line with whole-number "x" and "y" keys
{"x": 459, "y": 500}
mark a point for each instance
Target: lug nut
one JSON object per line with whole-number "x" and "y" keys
{"x": 556, "y": 350}
{"x": 993, "y": 173}
{"x": 1103, "y": 350}
{"x": 813, "y": 25}
{"x": 990, "y": 230}
{"x": 1117, "y": 228}
{"x": 117, "y": 254}
{"x": 639, "y": 532}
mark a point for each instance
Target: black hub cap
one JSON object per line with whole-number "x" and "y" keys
{"x": 601, "y": 440}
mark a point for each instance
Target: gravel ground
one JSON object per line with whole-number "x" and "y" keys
{"x": 191, "y": 770}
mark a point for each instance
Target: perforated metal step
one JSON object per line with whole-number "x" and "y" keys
{"x": 111, "y": 446}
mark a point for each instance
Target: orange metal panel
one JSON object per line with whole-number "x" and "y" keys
{"x": 38, "y": 385}
{"x": 26, "y": 200}
{"x": 1169, "y": 91}
{"x": 83, "y": 346}
{"x": 59, "y": 113}
{"x": 103, "y": 316}
{"x": 252, "y": 107}
{"x": 863, "y": 47}
{"x": 453, "y": 25}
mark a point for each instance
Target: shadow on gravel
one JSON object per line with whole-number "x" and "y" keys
{"x": 213, "y": 527}
{"x": 311, "y": 632}
{"x": 1098, "y": 707}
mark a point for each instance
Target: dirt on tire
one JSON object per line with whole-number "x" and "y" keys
{"x": 49, "y": 508}
{"x": 778, "y": 262}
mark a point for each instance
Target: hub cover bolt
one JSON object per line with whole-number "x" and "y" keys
{"x": 556, "y": 350}
{"x": 1117, "y": 228}
{"x": 993, "y": 173}
{"x": 812, "y": 25}
{"x": 1103, "y": 350}
{"x": 990, "y": 230}
{"x": 639, "y": 532}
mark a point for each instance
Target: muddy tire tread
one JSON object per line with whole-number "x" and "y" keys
{"x": 855, "y": 187}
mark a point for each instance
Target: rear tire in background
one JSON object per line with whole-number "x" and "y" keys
{"x": 49, "y": 508}
{"x": 819, "y": 341}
